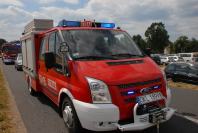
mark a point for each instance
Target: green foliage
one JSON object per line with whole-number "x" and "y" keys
{"x": 184, "y": 44}
{"x": 157, "y": 37}
{"x": 2, "y": 41}
{"x": 140, "y": 41}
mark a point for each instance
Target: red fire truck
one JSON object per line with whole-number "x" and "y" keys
{"x": 9, "y": 53}
{"x": 95, "y": 74}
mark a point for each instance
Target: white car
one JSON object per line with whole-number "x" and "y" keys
{"x": 173, "y": 58}
{"x": 188, "y": 57}
{"x": 164, "y": 59}
{"x": 18, "y": 62}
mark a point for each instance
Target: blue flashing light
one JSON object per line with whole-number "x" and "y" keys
{"x": 131, "y": 92}
{"x": 65, "y": 23}
{"x": 107, "y": 25}
{"x": 156, "y": 87}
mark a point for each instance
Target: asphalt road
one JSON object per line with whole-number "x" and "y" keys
{"x": 40, "y": 115}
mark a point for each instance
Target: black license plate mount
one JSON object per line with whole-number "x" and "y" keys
{"x": 157, "y": 116}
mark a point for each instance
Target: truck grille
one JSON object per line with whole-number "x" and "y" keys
{"x": 124, "y": 86}
{"x": 126, "y": 102}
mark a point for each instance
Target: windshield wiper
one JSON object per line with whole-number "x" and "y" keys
{"x": 127, "y": 55}
{"x": 95, "y": 57}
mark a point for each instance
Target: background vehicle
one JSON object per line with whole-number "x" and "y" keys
{"x": 188, "y": 57}
{"x": 9, "y": 53}
{"x": 18, "y": 62}
{"x": 195, "y": 60}
{"x": 173, "y": 58}
{"x": 69, "y": 63}
{"x": 164, "y": 60}
{"x": 156, "y": 58}
{"x": 186, "y": 72}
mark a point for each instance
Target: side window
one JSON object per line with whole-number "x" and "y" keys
{"x": 58, "y": 56}
{"x": 171, "y": 67}
{"x": 42, "y": 48}
{"x": 182, "y": 68}
{"x": 52, "y": 43}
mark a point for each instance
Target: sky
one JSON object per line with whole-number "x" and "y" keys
{"x": 179, "y": 16}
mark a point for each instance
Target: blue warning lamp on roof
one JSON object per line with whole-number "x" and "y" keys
{"x": 66, "y": 23}
{"x": 107, "y": 25}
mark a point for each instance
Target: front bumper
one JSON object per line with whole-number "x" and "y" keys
{"x": 8, "y": 60}
{"x": 141, "y": 122}
{"x": 19, "y": 66}
{"x": 97, "y": 117}
{"x": 105, "y": 117}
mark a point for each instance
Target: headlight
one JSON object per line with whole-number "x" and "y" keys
{"x": 99, "y": 91}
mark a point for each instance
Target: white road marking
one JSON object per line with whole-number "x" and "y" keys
{"x": 187, "y": 117}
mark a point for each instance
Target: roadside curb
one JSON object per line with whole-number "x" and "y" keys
{"x": 15, "y": 116}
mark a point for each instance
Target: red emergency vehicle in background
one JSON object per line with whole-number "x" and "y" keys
{"x": 96, "y": 75}
{"x": 9, "y": 53}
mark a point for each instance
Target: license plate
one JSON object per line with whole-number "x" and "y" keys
{"x": 149, "y": 98}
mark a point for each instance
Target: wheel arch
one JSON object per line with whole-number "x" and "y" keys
{"x": 64, "y": 93}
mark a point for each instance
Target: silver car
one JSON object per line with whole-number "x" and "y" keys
{"x": 18, "y": 62}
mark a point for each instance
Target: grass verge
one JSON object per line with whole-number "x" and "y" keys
{"x": 5, "y": 125}
{"x": 182, "y": 85}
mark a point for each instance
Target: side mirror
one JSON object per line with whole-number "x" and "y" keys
{"x": 49, "y": 59}
{"x": 64, "y": 48}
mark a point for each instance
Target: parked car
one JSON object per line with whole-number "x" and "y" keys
{"x": 164, "y": 60}
{"x": 180, "y": 59}
{"x": 195, "y": 60}
{"x": 188, "y": 57}
{"x": 18, "y": 62}
{"x": 186, "y": 72}
{"x": 156, "y": 58}
{"x": 173, "y": 58}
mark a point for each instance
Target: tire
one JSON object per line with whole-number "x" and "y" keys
{"x": 70, "y": 117}
{"x": 30, "y": 89}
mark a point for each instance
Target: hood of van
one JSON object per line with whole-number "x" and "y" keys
{"x": 114, "y": 72}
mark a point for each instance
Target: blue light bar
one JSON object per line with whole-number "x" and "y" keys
{"x": 65, "y": 23}
{"x": 156, "y": 87}
{"x": 131, "y": 92}
{"x": 107, "y": 25}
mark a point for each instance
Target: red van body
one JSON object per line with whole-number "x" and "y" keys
{"x": 128, "y": 93}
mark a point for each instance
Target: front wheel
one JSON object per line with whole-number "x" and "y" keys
{"x": 70, "y": 117}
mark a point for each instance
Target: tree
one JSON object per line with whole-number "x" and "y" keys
{"x": 140, "y": 42}
{"x": 2, "y": 41}
{"x": 157, "y": 37}
{"x": 193, "y": 45}
{"x": 181, "y": 44}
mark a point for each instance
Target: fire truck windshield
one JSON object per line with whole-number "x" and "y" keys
{"x": 100, "y": 44}
{"x": 10, "y": 49}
